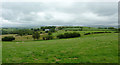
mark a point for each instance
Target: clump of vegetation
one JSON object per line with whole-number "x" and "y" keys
{"x": 46, "y": 31}
{"x": 51, "y": 28}
{"x": 48, "y": 37}
{"x": 36, "y": 35}
{"x": 97, "y": 32}
{"x": 69, "y": 35}
{"x": 101, "y": 32}
{"x": 49, "y": 33}
{"x": 24, "y": 32}
{"x": 41, "y": 32}
{"x": 37, "y": 29}
{"x": 117, "y": 31}
{"x": 8, "y": 38}
{"x": 87, "y": 33}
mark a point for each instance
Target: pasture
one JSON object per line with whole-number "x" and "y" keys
{"x": 95, "y": 48}
{"x": 29, "y": 37}
{"x": 0, "y": 52}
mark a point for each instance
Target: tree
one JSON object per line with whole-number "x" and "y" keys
{"x": 8, "y": 38}
{"x": 49, "y": 33}
{"x": 118, "y": 29}
{"x": 52, "y": 29}
{"x": 20, "y": 33}
{"x": 36, "y": 35}
{"x": 32, "y": 29}
{"x": 48, "y": 37}
{"x": 68, "y": 35}
{"x": 111, "y": 28}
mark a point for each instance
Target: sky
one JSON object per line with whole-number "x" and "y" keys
{"x": 33, "y": 13}
{"x": 59, "y": 0}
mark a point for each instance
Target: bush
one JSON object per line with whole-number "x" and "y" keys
{"x": 36, "y": 35}
{"x": 87, "y": 33}
{"x": 68, "y": 35}
{"x": 60, "y": 36}
{"x": 97, "y": 33}
{"x": 41, "y": 32}
{"x": 49, "y": 33}
{"x": 107, "y": 32}
{"x": 46, "y": 31}
{"x": 116, "y": 32}
{"x": 8, "y": 38}
{"x": 101, "y": 32}
{"x": 74, "y": 34}
{"x": 48, "y": 37}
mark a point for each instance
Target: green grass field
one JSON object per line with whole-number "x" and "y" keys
{"x": 0, "y": 52}
{"x": 96, "y": 48}
{"x": 86, "y": 29}
{"x": 29, "y": 37}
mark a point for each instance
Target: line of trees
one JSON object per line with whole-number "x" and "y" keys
{"x": 20, "y": 32}
{"x": 96, "y": 33}
{"x": 48, "y": 37}
{"x": 63, "y": 27}
{"x": 52, "y": 28}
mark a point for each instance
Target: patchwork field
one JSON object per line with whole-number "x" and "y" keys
{"x": 29, "y": 37}
{"x": 97, "y": 48}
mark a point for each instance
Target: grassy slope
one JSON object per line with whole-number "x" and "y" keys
{"x": 29, "y": 37}
{"x": 0, "y": 52}
{"x": 87, "y": 29}
{"x": 81, "y": 32}
{"x": 98, "y": 48}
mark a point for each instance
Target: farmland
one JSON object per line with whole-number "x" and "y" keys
{"x": 99, "y": 46}
{"x": 0, "y": 52}
{"x": 29, "y": 37}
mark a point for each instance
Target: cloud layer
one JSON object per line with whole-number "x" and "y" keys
{"x": 60, "y": 0}
{"x": 59, "y": 13}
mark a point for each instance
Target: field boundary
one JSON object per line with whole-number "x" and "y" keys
{"x": 60, "y": 64}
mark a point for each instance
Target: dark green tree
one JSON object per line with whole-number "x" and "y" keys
{"x": 49, "y": 33}
{"x": 8, "y": 38}
{"x": 36, "y": 35}
{"x": 111, "y": 28}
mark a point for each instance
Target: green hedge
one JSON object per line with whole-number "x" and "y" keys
{"x": 68, "y": 35}
{"x": 8, "y": 38}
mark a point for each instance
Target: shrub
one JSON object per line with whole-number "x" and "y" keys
{"x": 41, "y": 32}
{"x": 46, "y": 31}
{"x": 49, "y": 33}
{"x": 68, "y": 35}
{"x": 48, "y": 37}
{"x": 108, "y": 32}
{"x": 87, "y": 33}
{"x": 116, "y": 32}
{"x": 8, "y": 38}
{"x": 101, "y": 32}
{"x": 36, "y": 35}
{"x": 60, "y": 36}
{"x": 97, "y": 33}
{"x": 74, "y": 34}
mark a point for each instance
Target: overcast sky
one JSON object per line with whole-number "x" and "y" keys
{"x": 59, "y": 13}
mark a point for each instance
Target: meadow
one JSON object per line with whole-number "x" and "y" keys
{"x": 29, "y": 37}
{"x": 0, "y": 52}
{"x": 94, "y": 45}
{"x": 94, "y": 48}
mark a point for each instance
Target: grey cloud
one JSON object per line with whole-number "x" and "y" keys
{"x": 55, "y": 13}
